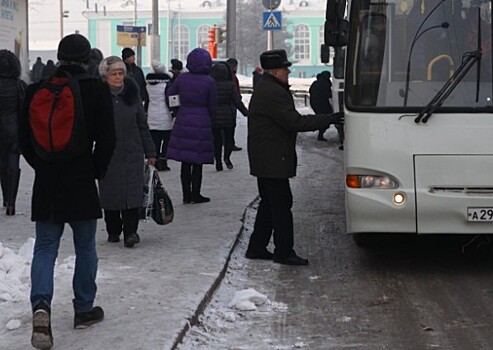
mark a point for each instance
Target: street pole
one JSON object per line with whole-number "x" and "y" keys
{"x": 61, "y": 19}
{"x": 139, "y": 48}
{"x": 270, "y": 40}
{"x": 231, "y": 29}
{"x": 156, "y": 41}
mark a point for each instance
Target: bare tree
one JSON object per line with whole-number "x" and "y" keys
{"x": 251, "y": 39}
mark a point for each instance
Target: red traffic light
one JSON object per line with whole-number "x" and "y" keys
{"x": 211, "y": 35}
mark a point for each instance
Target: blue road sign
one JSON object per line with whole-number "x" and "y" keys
{"x": 272, "y": 20}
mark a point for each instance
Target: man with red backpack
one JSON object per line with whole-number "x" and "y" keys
{"x": 65, "y": 189}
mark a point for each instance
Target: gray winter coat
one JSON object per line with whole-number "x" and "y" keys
{"x": 123, "y": 186}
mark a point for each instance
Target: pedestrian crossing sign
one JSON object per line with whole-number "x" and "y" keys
{"x": 272, "y": 20}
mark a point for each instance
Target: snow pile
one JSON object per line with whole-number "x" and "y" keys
{"x": 15, "y": 272}
{"x": 247, "y": 300}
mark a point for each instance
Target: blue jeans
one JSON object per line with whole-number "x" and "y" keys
{"x": 48, "y": 235}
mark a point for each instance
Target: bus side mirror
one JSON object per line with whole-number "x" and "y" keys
{"x": 336, "y": 33}
{"x": 324, "y": 53}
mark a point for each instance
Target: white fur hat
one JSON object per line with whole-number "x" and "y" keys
{"x": 158, "y": 67}
{"x": 110, "y": 64}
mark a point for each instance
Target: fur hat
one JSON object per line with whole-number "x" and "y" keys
{"x": 110, "y": 64}
{"x": 74, "y": 48}
{"x": 10, "y": 67}
{"x": 127, "y": 52}
{"x": 273, "y": 59}
{"x": 158, "y": 67}
{"x": 176, "y": 64}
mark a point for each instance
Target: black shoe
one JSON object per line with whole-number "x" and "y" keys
{"x": 113, "y": 238}
{"x": 228, "y": 163}
{"x": 187, "y": 198}
{"x": 42, "y": 337}
{"x": 321, "y": 138}
{"x": 219, "y": 166}
{"x": 263, "y": 255}
{"x": 341, "y": 147}
{"x": 236, "y": 148}
{"x": 166, "y": 168}
{"x": 200, "y": 199}
{"x": 131, "y": 240}
{"x": 290, "y": 260}
{"x": 88, "y": 318}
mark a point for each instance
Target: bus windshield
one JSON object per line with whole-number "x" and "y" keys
{"x": 402, "y": 53}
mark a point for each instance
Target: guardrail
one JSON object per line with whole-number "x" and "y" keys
{"x": 302, "y": 94}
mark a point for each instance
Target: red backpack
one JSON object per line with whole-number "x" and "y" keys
{"x": 57, "y": 120}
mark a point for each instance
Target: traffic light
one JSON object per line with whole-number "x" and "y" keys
{"x": 212, "y": 44}
{"x": 220, "y": 35}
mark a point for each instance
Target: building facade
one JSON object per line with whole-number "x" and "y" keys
{"x": 184, "y": 25}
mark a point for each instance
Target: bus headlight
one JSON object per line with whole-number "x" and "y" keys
{"x": 370, "y": 181}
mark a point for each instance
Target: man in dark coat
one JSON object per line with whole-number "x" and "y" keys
{"x": 320, "y": 96}
{"x": 66, "y": 192}
{"x": 136, "y": 73}
{"x": 273, "y": 125}
{"x": 37, "y": 71}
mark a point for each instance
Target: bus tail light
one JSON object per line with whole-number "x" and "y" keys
{"x": 370, "y": 181}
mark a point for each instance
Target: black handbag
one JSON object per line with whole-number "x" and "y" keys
{"x": 162, "y": 208}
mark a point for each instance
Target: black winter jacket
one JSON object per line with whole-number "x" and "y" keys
{"x": 321, "y": 93}
{"x": 136, "y": 73}
{"x": 66, "y": 191}
{"x": 227, "y": 97}
{"x": 273, "y": 125}
{"x": 11, "y": 94}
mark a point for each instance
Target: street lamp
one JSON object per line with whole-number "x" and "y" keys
{"x": 63, "y": 14}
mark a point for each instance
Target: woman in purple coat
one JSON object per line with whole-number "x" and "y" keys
{"x": 191, "y": 139}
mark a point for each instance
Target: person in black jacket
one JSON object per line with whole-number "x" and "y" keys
{"x": 224, "y": 120}
{"x": 273, "y": 125}
{"x": 65, "y": 192}
{"x": 136, "y": 73}
{"x": 320, "y": 98}
{"x": 11, "y": 94}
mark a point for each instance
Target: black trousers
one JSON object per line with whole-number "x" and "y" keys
{"x": 161, "y": 141}
{"x": 223, "y": 136}
{"x": 273, "y": 215}
{"x": 121, "y": 220}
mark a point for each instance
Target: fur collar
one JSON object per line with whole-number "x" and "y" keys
{"x": 130, "y": 93}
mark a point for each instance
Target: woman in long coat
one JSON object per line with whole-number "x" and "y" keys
{"x": 224, "y": 119}
{"x": 122, "y": 189}
{"x": 191, "y": 138}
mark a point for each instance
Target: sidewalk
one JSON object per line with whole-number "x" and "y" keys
{"x": 149, "y": 293}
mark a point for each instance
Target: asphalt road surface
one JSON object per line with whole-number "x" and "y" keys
{"x": 399, "y": 293}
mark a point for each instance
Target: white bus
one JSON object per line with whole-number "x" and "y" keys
{"x": 418, "y": 102}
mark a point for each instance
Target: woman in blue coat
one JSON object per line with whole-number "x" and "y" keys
{"x": 191, "y": 139}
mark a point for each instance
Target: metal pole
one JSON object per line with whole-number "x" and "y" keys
{"x": 139, "y": 48}
{"x": 270, "y": 40}
{"x": 231, "y": 28}
{"x": 61, "y": 19}
{"x": 156, "y": 41}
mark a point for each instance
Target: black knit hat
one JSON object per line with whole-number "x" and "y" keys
{"x": 127, "y": 52}
{"x": 176, "y": 64}
{"x": 74, "y": 48}
{"x": 10, "y": 67}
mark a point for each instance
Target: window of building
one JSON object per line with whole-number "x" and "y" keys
{"x": 301, "y": 42}
{"x": 180, "y": 45}
{"x": 202, "y": 38}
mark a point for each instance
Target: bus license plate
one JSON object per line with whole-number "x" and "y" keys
{"x": 480, "y": 214}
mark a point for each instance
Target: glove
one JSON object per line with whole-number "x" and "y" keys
{"x": 336, "y": 118}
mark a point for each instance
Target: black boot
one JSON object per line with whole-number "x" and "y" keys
{"x": 219, "y": 164}
{"x": 196, "y": 185}
{"x": 13, "y": 177}
{"x": 3, "y": 182}
{"x": 186, "y": 183}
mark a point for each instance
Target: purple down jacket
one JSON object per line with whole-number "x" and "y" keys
{"x": 191, "y": 138}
